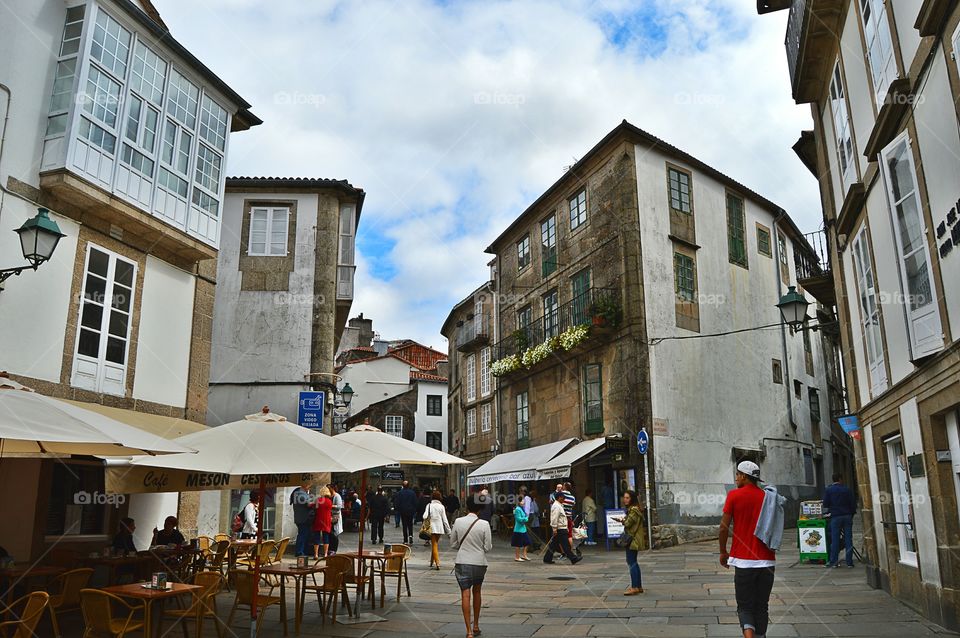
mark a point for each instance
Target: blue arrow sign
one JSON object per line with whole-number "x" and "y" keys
{"x": 643, "y": 440}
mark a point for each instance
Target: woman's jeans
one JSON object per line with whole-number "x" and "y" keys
{"x": 634, "y": 569}
{"x": 592, "y": 532}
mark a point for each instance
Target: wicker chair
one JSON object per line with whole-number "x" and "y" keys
{"x": 68, "y": 586}
{"x": 98, "y": 615}
{"x": 218, "y": 561}
{"x": 203, "y": 604}
{"x": 395, "y": 568}
{"x": 247, "y": 588}
{"x": 221, "y": 537}
{"x": 281, "y": 550}
{"x": 333, "y": 586}
{"x": 24, "y": 626}
{"x": 266, "y": 554}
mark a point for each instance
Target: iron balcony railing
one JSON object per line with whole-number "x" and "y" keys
{"x": 474, "y": 332}
{"x": 600, "y": 302}
{"x": 795, "y": 25}
{"x": 812, "y": 260}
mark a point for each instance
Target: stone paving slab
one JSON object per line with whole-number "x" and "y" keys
{"x": 687, "y": 595}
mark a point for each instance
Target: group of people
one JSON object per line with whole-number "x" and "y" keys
{"x": 319, "y": 520}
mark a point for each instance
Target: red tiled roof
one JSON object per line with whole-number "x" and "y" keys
{"x": 423, "y": 376}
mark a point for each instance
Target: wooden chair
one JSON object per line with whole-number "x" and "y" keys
{"x": 98, "y": 615}
{"x": 247, "y": 588}
{"x": 221, "y": 537}
{"x": 26, "y": 620}
{"x": 68, "y": 586}
{"x": 206, "y": 545}
{"x": 395, "y": 567}
{"x": 329, "y": 592}
{"x": 266, "y": 553}
{"x": 281, "y": 550}
{"x": 203, "y": 604}
{"x": 359, "y": 582}
{"x": 219, "y": 560}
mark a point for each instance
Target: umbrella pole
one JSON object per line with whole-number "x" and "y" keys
{"x": 256, "y": 560}
{"x": 363, "y": 510}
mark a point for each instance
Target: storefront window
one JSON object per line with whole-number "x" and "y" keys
{"x": 902, "y": 502}
{"x": 240, "y": 498}
{"x": 77, "y": 501}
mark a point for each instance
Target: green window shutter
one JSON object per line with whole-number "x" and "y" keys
{"x": 593, "y": 399}
{"x": 736, "y": 236}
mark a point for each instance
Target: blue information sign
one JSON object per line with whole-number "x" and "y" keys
{"x": 849, "y": 423}
{"x": 310, "y": 413}
{"x": 643, "y": 440}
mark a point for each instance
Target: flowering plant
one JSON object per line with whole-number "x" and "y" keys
{"x": 536, "y": 354}
{"x": 506, "y": 365}
{"x": 574, "y": 336}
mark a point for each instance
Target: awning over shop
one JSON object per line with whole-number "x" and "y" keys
{"x": 559, "y": 466}
{"x": 520, "y": 465}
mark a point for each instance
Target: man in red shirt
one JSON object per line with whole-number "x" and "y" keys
{"x": 754, "y": 561}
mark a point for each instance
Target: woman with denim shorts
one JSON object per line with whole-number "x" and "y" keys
{"x": 472, "y": 537}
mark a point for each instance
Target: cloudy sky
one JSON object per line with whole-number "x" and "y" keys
{"x": 454, "y": 116}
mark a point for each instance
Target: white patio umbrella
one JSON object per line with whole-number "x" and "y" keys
{"x": 263, "y": 449}
{"x": 34, "y": 424}
{"x": 401, "y": 450}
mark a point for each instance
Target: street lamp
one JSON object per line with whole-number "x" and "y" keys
{"x": 793, "y": 308}
{"x": 346, "y": 394}
{"x": 39, "y": 237}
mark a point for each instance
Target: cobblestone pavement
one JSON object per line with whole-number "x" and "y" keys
{"x": 687, "y": 595}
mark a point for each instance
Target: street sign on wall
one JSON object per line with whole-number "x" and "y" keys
{"x": 643, "y": 440}
{"x": 310, "y": 411}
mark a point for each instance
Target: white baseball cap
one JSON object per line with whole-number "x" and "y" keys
{"x": 749, "y": 468}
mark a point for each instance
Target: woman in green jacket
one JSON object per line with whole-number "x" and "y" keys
{"x": 633, "y": 527}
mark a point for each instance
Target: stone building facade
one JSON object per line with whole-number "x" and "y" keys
{"x": 612, "y": 297}
{"x": 120, "y": 318}
{"x": 883, "y": 84}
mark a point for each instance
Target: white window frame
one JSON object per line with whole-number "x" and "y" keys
{"x": 485, "y": 372}
{"x": 91, "y": 373}
{"x": 577, "y": 205}
{"x": 879, "y": 46}
{"x": 485, "y": 418}
{"x": 471, "y": 419}
{"x": 523, "y": 416}
{"x": 930, "y": 339}
{"x": 901, "y": 492}
{"x": 523, "y": 252}
{"x": 393, "y": 425}
{"x": 842, "y": 130}
{"x": 868, "y": 300}
{"x": 65, "y": 83}
{"x": 478, "y": 317}
{"x": 550, "y": 303}
{"x": 271, "y": 220}
{"x": 955, "y": 40}
{"x": 471, "y": 377}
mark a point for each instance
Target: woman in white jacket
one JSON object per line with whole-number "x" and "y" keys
{"x": 439, "y": 525}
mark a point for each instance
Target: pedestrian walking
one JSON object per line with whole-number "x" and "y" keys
{"x": 533, "y": 520}
{"x": 520, "y": 540}
{"x": 452, "y": 504}
{"x": 486, "y": 505}
{"x": 842, "y": 505}
{"x": 379, "y": 510}
{"x": 590, "y": 517}
{"x": 249, "y": 515}
{"x": 752, "y": 558}
{"x": 560, "y": 541}
{"x": 633, "y": 537}
{"x": 301, "y": 500}
{"x": 436, "y": 513}
{"x": 407, "y": 506}
{"x": 472, "y": 537}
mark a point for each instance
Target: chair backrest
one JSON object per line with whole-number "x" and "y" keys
{"x": 221, "y": 537}
{"x": 336, "y": 569}
{"x": 281, "y": 549}
{"x": 71, "y": 583}
{"x": 212, "y": 583}
{"x": 204, "y": 542}
{"x": 33, "y": 606}
{"x": 98, "y": 609}
{"x": 266, "y": 551}
{"x": 222, "y": 547}
{"x": 245, "y": 585}
{"x": 395, "y": 564}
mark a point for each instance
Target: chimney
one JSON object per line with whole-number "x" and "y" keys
{"x": 443, "y": 368}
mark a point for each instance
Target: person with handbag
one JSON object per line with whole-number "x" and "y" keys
{"x": 520, "y": 540}
{"x": 631, "y": 539}
{"x": 472, "y": 537}
{"x": 435, "y": 525}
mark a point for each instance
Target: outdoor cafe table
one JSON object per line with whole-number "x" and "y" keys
{"x": 244, "y": 546}
{"x": 182, "y": 558}
{"x": 113, "y": 564}
{"x": 299, "y": 575}
{"x": 139, "y": 591}
{"x": 363, "y": 559}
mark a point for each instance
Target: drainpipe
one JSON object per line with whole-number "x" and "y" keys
{"x": 788, "y": 383}
{"x": 3, "y": 137}
{"x": 493, "y": 287}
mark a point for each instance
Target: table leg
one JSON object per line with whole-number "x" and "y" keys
{"x": 283, "y": 604}
{"x": 147, "y": 618}
{"x": 298, "y": 601}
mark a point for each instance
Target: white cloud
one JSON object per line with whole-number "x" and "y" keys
{"x": 455, "y": 118}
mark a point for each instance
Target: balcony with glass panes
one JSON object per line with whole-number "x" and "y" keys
{"x": 133, "y": 129}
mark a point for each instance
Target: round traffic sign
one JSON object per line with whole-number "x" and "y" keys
{"x": 643, "y": 440}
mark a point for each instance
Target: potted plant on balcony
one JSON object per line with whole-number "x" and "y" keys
{"x": 605, "y": 311}
{"x": 521, "y": 339}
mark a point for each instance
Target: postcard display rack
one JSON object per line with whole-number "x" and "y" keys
{"x": 812, "y": 532}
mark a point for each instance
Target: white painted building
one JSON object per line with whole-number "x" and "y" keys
{"x": 112, "y": 124}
